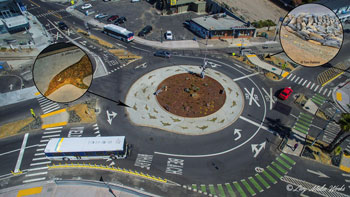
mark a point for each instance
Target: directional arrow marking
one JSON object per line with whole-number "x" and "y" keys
{"x": 256, "y": 149}
{"x": 110, "y": 116}
{"x": 237, "y": 131}
{"x": 319, "y": 173}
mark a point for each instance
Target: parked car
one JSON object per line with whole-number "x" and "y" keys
{"x": 161, "y": 53}
{"x": 169, "y": 35}
{"x": 112, "y": 18}
{"x": 62, "y": 25}
{"x": 86, "y": 6}
{"x": 101, "y": 15}
{"x": 120, "y": 20}
{"x": 145, "y": 30}
{"x": 285, "y": 93}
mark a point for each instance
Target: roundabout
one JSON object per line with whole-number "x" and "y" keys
{"x": 190, "y": 106}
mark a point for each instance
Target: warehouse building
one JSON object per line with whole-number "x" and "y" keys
{"x": 181, "y": 6}
{"x": 220, "y": 26}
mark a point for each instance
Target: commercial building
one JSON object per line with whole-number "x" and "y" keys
{"x": 11, "y": 16}
{"x": 180, "y": 6}
{"x": 340, "y": 7}
{"x": 219, "y": 26}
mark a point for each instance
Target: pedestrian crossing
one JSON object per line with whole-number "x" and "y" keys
{"x": 50, "y": 12}
{"x": 96, "y": 130}
{"x": 303, "y": 123}
{"x": 332, "y": 129}
{"x": 310, "y": 85}
{"x": 38, "y": 166}
{"x": 251, "y": 186}
{"x": 47, "y": 105}
{"x": 318, "y": 99}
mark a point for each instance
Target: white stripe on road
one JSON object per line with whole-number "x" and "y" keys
{"x": 239, "y": 78}
{"x": 42, "y": 141}
{"x": 140, "y": 49}
{"x": 36, "y": 174}
{"x": 256, "y": 124}
{"x": 296, "y": 79}
{"x": 312, "y": 86}
{"x": 329, "y": 93}
{"x": 53, "y": 128}
{"x": 21, "y": 152}
{"x": 316, "y": 88}
{"x": 51, "y": 132}
{"x": 293, "y": 77}
{"x": 39, "y": 154}
{"x": 50, "y": 136}
{"x": 40, "y": 163}
{"x": 41, "y": 145}
{"x": 41, "y": 168}
{"x": 39, "y": 158}
{"x": 17, "y": 150}
{"x": 40, "y": 149}
{"x": 32, "y": 180}
{"x": 324, "y": 92}
{"x": 50, "y": 106}
{"x": 301, "y": 81}
{"x": 320, "y": 89}
{"x": 348, "y": 175}
{"x": 44, "y": 102}
{"x": 95, "y": 125}
{"x": 304, "y": 82}
{"x": 308, "y": 85}
{"x": 289, "y": 76}
{"x": 51, "y": 110}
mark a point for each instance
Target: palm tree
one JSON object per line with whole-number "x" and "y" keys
{"x": 344, "y": 124}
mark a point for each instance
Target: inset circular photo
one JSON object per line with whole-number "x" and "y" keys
{"x": 311, "y": 35}
{"x": 62, "y": 72}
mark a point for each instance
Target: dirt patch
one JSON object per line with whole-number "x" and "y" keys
{"x": 188, "y": 95}
{"x": 20, "y": 126}
{"x": 82, "y": 113}
{"x": 315, "y": 152}
{"x": 95, "y": 38}
{"x": 272, "y": 76}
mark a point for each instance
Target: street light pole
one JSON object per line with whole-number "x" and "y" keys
{"x": 161, "y": 35}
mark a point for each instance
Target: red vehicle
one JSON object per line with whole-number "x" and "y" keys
{"x": 112, "y": 18}
{"x": 285, "y": 93}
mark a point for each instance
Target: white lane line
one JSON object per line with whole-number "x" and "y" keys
{"x": 21, "y": 152}
{"x": 293, "y": 77}
{"x": 50, "y": 136}
{"x": 301, "y": 81}
{"x": 320, "y": 89}
{"x": 308, "y": 85}
{"x": 42, "y": 99}
{"x": 33, "y": 180}
{"x": 41, "y": 145}
{"x": 95, "y": 125}
{"x": 304, "y": 82}
{"x": 348, "y": 175}
{"x": 42, "y": 141}
{"x": 51, "y": 110}
{"x": 36, "y": 174}
{"x": 96, "y": 128}
{"x": 51, "y": 132}
{"x": 54, "y": 128}
{"x": 40, "y": 163}
{"x": 329, "y": 93}
{"x": 40, "y": 149}
{"x": 296, "y": 80}
{"x": 39, "y": 154}
{"x": 12, "y": 151}
{"x": 239, "y": 78}
{"x": 256, "y": 124}
{"x": 140, "y": 49}
{"x": 44, "y": 102}
{"x": 40, "y": 168}
{"x": 316, "y": 88}
{"x": 324, "y": 92}
{"x": 39, "y": 158}
{"x": 312, "y": 86}
{"x": 289, "y": 76}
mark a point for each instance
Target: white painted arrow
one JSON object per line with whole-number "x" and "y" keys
{"x": 110, "y": 116}
{"x": 237, "y": 131}
{"x": 256, "y": 149}
{"x": 319, "y": 173}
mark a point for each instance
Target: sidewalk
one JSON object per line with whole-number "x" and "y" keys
{"x": 295, "y": 138}
{"x": 341, "y": 96}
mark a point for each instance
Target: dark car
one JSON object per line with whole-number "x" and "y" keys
{"x": 62, "y": 26}
{"x": 120, "y": 20}
{"x": 145, "y": 30}
{"x": 162, "y": 54}
{"x": 112, "y": 18}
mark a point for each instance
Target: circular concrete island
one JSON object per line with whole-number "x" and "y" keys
{"x": 177, "y": 99}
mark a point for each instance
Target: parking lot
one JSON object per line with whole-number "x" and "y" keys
{"x": 140, "y": 14}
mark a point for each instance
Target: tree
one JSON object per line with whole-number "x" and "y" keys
{"x": 344, "y": 124}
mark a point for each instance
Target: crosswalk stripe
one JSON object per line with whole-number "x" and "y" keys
{"x": 51, "y": 110}
{"x": 40, "y": 149}
{"x": 36, "y": 174}
{"x": 268, "y": 176}
{"x": 301, "y": 81}
{"x": 221, "y": 190}
{"x": 240, "y": 190}
{"x": 287, "y": 158}
{"x": 230, "y": 190}
{"x": 289, "y": 76}
{"x": 50, "y": 136}
{"x": 41, "y": 145}
{"x": 33, "y": 180}
{"x": 329, "y": 93}
{"x": 320, "y": 89}
{"x": 284, "y": 163}
{"x": 316, "y": 88}
{"x": 257, "y": 186}
{"x": 273, "y": 171}
{"x": 279, "y": 167}
{"x": 250, "y": 189}
{"x": 312, "y": 86}
{"x": 293, "y": 77}
{"x": 267, "y": 186}
{"x": 40, "y": 168}
{"x": 308, "y": 85}
{"x": 53, "y": 128}
{"x": 212, "y": 189}
{"x": 47, "y": 107}
{"x": 304, "y": 82}
{"x": 40, "y": 163}
{"x": 39, "y": 154}
{"x": 51, "y": 132}
{"x": 44, "y": 102}
{"x": 39, "y": 158}
{"x": 42, "y": 141}
{"x": 324, "y": 92}
{"x": 296, "y": 80}
{"x": 203, "y": 188}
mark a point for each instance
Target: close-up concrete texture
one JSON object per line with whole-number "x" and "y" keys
{"x": 51, "y": 63}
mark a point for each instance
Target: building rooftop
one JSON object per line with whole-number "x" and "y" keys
{"x": 219, "y": 22}
{"x": 334, "y": 4}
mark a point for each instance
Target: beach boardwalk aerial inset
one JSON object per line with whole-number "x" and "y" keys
{"x": 311, "y": 35}
{"x": 62, "y": 72}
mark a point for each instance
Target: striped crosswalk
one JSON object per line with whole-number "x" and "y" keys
{"x": 310, "y": 85}
{"x": 318, "y": 99}
{"x": 303, "y": 123}
{"x": 332, "y": 129}
{"x": 252, "y": 185}
{"x": 96, "y": 130}
{"x": 47, "y": 105}
{"x": 38, "y": 166}
{"x": 50, "y": 12}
